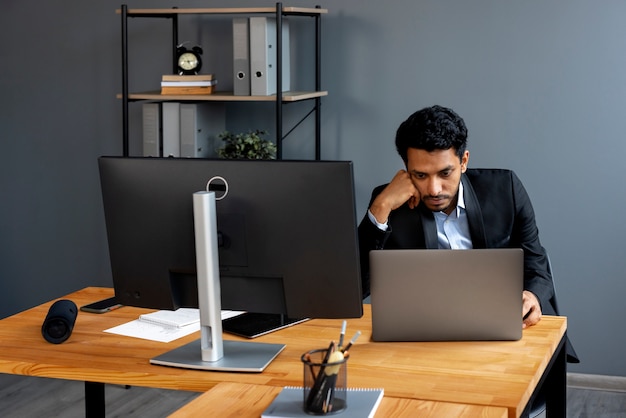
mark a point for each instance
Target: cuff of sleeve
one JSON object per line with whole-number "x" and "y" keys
{"x": 382, "y": 227}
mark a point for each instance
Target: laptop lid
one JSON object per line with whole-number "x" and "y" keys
{"x": 446, "y": 295}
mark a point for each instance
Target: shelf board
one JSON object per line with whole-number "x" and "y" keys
{"x": 221, "y": 96}
{"x": 224, "y": 10}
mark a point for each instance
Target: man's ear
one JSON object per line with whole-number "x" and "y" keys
{"x": 464, "y": 161}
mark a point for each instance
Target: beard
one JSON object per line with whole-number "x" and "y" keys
{"x": 440, "y": 203}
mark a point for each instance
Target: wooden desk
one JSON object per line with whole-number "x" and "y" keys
{"x": 242, "y": 400}
{"x": 501, "y": 374}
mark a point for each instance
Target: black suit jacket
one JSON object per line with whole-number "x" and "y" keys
{"x": 500, "y": 215}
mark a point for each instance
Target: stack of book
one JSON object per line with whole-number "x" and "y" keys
{"x": 187, "y": 84}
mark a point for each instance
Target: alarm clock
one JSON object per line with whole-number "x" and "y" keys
{"x": 188, "y": 61}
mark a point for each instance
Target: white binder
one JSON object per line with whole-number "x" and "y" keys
{"x": 200, "y": 126}
{"x": 263, "y": 56}
{"x": 241, "y": 56}
{"x": 151, "y": 134}
{"x": 171, "y": 129}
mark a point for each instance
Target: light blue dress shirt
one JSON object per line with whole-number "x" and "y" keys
{"x": 453, "y": 230}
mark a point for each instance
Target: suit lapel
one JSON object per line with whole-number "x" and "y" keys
{"x": 474, "y": 215}
{"x": 429, "y": 226}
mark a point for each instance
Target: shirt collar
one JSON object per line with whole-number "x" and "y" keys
{"x": 460, "y": 205}
{"x": 461, "y": 200}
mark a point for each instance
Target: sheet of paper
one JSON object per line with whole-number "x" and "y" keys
{"x": 154, "y": 332}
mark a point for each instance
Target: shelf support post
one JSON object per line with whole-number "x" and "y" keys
{"x": 318, "y": 84}
{"x": 124, "y": 15}
{"x": 279, "y": 80}
{"x": 174, "y": 42}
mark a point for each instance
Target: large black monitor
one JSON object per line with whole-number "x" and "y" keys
{"x": 286, "y": 234}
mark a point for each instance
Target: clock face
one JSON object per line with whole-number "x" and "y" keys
{"x": 188, "y": 61}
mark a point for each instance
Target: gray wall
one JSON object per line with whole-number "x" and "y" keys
{"x": 541, "y": 85}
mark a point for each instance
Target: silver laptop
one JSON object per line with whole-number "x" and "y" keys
{"x": 446, "y": 295}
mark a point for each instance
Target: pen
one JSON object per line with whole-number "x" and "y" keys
{"x": 358, "y": 333}
{"x": 317, "y": 396}
{"x": 343, "y": 333}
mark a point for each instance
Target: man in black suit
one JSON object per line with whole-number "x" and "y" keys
{"x": 437, "y": 202}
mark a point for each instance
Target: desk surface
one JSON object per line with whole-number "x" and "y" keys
{"x": 502, "y": 374}
{"x": 242, "y": 400}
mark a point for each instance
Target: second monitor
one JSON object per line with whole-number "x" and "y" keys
{"x": 286, "y": 230}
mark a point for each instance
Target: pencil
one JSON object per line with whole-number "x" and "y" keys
{"x": 358, "y": 333}
{"x": 342, "y": 335}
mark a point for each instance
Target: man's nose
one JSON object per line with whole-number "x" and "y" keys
{"x": 434, "y": 187}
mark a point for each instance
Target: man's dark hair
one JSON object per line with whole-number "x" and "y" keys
{"x": 432, "y": 128}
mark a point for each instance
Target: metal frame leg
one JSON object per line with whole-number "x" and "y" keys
{"x": 556, "y": 384}
{"x": 553, "y": 385}
{"x": 94, "y": 400}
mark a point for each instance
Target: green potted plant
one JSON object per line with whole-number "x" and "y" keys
{"x": 247, "y": 145}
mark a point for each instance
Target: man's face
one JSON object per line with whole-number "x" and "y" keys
{"x": 437, "y": 175}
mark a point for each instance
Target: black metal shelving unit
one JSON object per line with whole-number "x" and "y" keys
{"x": 280, "y": 98}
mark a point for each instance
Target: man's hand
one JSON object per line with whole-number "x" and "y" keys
{"x": 398, "y": 191}
{"x": 531, "y": 310}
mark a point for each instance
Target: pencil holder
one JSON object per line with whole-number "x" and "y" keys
{"x": 325, "y": 382}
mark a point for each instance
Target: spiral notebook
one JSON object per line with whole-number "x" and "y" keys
{"x": 362, "y": 403}
{"x": 179, "y": 318}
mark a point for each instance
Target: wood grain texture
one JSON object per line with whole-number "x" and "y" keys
{"x": 224, "y": 10}
{"x": 238, "y": 400}
{"x": 502, "y": 374}
{"x": 223, "y": 96}
{"x": 27, "y": 396}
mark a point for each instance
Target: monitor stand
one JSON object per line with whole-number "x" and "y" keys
{"x": 211, "y": 352}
